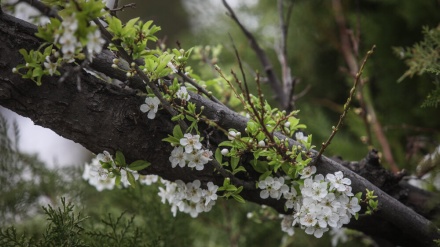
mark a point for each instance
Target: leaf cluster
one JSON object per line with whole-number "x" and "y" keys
{"x": 424, "y": 57}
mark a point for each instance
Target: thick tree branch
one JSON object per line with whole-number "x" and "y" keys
{"x": 105, "y": 117}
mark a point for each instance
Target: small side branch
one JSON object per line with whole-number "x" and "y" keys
{"x": 346, "y": 105}
{"x": 286, "y": 71}
{"x": 262, "y": 56}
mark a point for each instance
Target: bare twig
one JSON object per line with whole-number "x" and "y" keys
{"x": 264, "y": 60}
{"x": 346, "y": 106}
{"x": 115, "y": 8}
{"x": 368, "y": 113}
{"x": 188, "y": 79}
{"x": 287, "y": 79}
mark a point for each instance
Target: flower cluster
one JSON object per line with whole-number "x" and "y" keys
{"x": 69, "y": 42}
{"x": 98, "y": 176}
{"x": 104, "y": 178}
{"x": 189, "y": 198}
{"x": 325, "y": 202}
{"x": 190, "y": 152}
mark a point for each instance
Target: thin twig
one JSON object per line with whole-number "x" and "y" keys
{"x": 347, "y": 104}
{"x": 191, "y": 81}
{"x": 115, "y": 8}
{"x": 262, "y": 56}
{"x": 368, "y": 112}
{"x": 240, "y": 64}
{"x": 286, "y": 70}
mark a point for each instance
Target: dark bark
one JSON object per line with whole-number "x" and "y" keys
{"x": 106, "y": 117}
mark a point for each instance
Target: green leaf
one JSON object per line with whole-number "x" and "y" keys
{"x": 226, "y": 144}
{"x": 358, "y": 195}
{"x": 192, "y": 107}
{"x": 239, "y": 169}
{"x": 177, "y": 117}
{"x": 259, "y": 166}
{"x": 37, "y": 72}
{"x": 131, "y": 22}
{"x": 114, "y": 25}
{"x": 252, "y": 128}
{"x": 25, "y": 54}
{"x": 120, "y": 159}
{"x": 177, "y": 132}
{"x": 231, "y": 188}
{"x": 238, "y": 198}
{"x": 118, "y": 180}
{"x": 172, "y": 140}
{"x": 234, "y": 162}
{"x": 139, "y": 165}
{"x": 131, "y": 179}
{"x": 218, "y": 155}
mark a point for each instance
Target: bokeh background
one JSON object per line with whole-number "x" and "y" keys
{"x": 52, "y": 166}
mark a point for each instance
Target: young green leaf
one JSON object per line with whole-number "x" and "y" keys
{"x": 139, "y": 165}
{"x": 238, "y": 198}
{"x": 131, "y": 179}
{"x": 120, "y": 159}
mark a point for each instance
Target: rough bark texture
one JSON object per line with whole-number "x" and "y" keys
{"x": 105, "y": 117}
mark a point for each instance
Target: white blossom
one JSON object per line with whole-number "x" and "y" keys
{"x": 224, "y": 151}
{"x": 232, "y": 135}
{"x": 178, "y": 157}
{"x": 273, "y": 187}
{"x": 50, "y": 66}
{"x": 291, "y": 197}
{"x": 307, "y": 172}
{"x": 287, "y": 225}
{"x": 172, "y": 67}
{"x": 210, "y": 194}
{"x": 148, "y": 179}
{"x": 124, "y": 177}
{"x": 261, "y": 143}
{"x": 338, "y": 234}
{"x": 337, "y": 181}
{"x": 151, "y": 106}
{"x": 199, "y": 158}
{"x": 299, "y": 136}
{"x": 191, "y": 142}
{"x": 97, "y": 176}
{"x": 183, "y": 94}
{"x": 94, "y": 43}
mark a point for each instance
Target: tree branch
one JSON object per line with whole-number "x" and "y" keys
{"x": 264, "y": 60}
{"x": 106, "y": 117}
